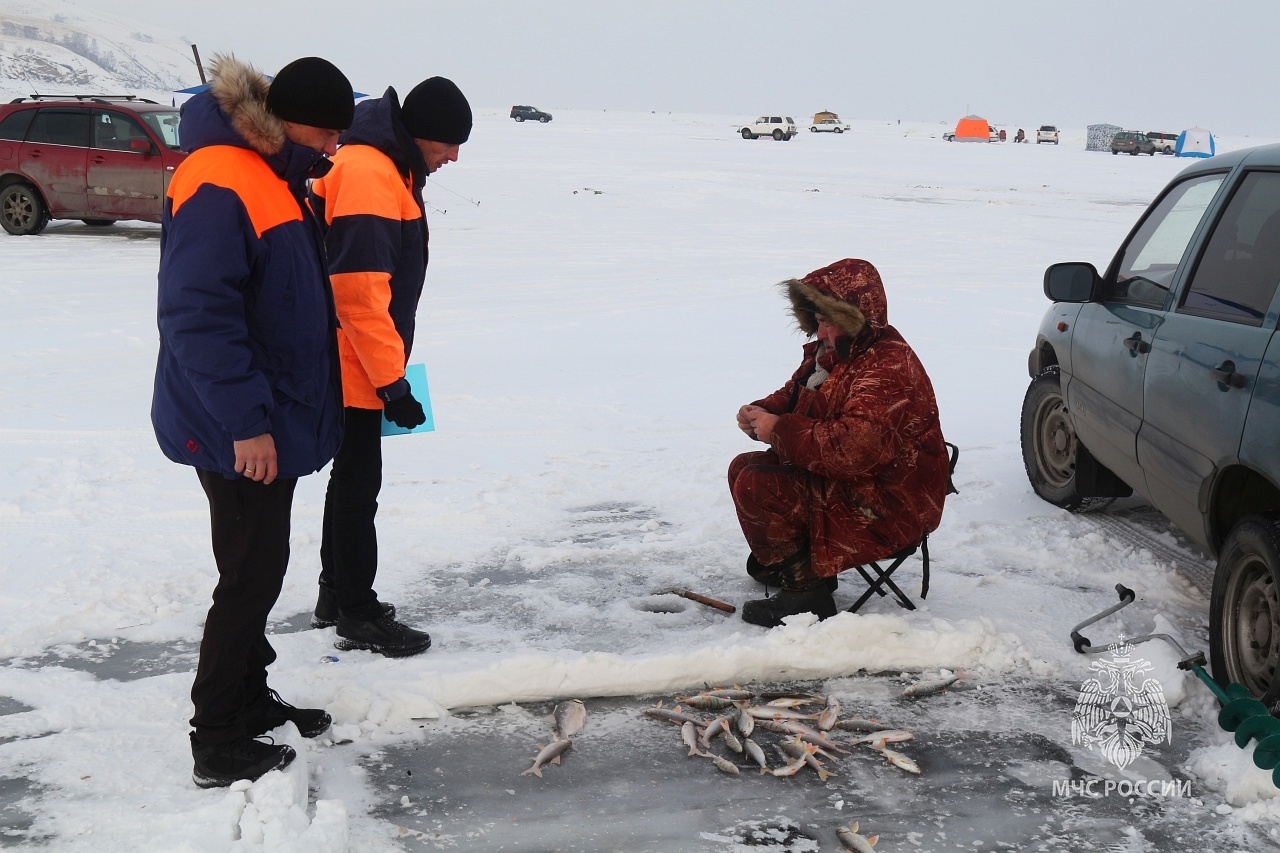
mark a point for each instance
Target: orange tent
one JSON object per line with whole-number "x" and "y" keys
{"x": 973, "y": 129}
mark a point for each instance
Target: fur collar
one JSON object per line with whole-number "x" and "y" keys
{"x": 240, "y": 91}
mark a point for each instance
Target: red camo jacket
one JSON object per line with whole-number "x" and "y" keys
{"x": 869, "y": 436}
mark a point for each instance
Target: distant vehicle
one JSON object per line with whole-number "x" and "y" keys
{"x": 524, "y": 112}
{"x": 828, "y": 123}
{"x": 1047, "y": 133}
{"x": 781, "y": 128}
{"x": 994, "y": 134}
{"x": 1164, "y": 142}
{"x": 1132, "y": 142}
{"x": 949, "y": 135}
{"x": 96, "y": 158}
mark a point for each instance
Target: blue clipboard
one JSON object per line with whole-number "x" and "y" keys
{"x": 416, "y": 374}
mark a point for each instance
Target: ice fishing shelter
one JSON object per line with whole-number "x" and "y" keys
{"x": 1098, "y": 136}
{"x": 1195, "y": 142}
{"x": 973, "y": 129}
{"x": 825, "y": 115}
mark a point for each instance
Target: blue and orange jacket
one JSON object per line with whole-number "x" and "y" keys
{"x": 370, "y": 205}
{"x": 245, "y": 311}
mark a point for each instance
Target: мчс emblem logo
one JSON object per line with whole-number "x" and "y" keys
{"x": 1120, "y": 709}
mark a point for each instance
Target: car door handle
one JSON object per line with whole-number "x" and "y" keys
{"x": 1135, "y": 344}
{"x": 98, "y": 159}
{"x": 1225, "y": 374}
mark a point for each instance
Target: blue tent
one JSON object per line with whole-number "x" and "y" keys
{"x": 1195, "y": 142}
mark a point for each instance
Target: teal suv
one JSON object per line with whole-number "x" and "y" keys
{"x": 1162, "y": 376}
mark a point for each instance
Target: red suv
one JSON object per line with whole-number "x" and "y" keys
{"x": 97, "y": 158}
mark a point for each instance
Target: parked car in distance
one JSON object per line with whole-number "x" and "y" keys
{"x": 96, "y": 158}
{"x": 1047, "y": 133}
{"x": 524, "y": 112}
{"x": 1162, "y": 376}
{"x": 828, "y": 125}
{"x": 949, "y": 135}
{"x": 781, "y": 128}
{"x": 1165, "y": 143}
{"x": 1132, "y": 142}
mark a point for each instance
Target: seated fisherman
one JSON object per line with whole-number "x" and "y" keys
{"x": 857, "y": 469}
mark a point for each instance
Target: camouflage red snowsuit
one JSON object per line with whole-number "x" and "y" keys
{"x": 858, "y": 469}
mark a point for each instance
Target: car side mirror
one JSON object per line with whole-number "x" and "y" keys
{"x": 142, "y": 146}
{"x": 1071, "y": 282}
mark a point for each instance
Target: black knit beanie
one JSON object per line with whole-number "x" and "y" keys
{"x": 312, "y": 91}
{"x": 437, "y": 110}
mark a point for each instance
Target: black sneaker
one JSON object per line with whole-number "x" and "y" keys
{"x": 220, "y": 764}
{"x": 326, "y": 613}
{"x": 384, "y": 635}
{"x": 769, "y": 612}
{"x": 269, "y": 711}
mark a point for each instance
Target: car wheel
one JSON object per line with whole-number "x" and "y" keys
{"x": 544, "y": 119}
{"x": 746, "y": 134}
{"x": 1244, "y": 612}
{"x": 813, "y": 130}
{"x": 1115, "y": 152}
{"x": 777, "y": 134}
{"x": 99, "y": 223}
{"x": 839, "y": 130}
{"x": 518, "y": 118}
{"x": 22, "y": 211}
{"x": 1049, "y": 445}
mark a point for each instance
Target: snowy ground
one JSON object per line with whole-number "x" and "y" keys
{"x": 601, "y": 300}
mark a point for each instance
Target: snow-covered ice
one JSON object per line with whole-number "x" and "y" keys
{"x": 601, "y": 299}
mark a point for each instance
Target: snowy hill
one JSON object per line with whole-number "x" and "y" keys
{"x": 56, "y": 46}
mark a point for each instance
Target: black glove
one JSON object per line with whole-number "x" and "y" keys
{"x": 405, "y": 412}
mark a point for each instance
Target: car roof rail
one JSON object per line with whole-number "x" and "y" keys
{"x": 99, "y": 98}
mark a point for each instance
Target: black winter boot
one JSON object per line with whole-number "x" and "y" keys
{"x": 218, "y": 765}
{"x": 269, "y": 711}
{"x": 769, "y": 612}
{"x": 383, "y": 635}
{"x": 326, "y": 613}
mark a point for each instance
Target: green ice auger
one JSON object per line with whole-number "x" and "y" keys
{"x": 1242, "y": 714}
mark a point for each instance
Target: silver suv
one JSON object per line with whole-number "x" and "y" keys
{"x": 780, "y": 128}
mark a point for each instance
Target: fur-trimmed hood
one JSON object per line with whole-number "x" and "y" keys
{"x": 849, "y": 292}
{"x": 233, "y": 111}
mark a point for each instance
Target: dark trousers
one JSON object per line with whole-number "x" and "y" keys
{"x": 349, "y": 543}
{"x": 250, "y": 525}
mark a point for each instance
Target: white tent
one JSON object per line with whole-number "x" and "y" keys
{"x": 1195, "y": 142}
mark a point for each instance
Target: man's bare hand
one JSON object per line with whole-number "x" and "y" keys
{"x": 762, "y": 424}
{"x": 744, "y": 420}
{"x": 256, "y": 458}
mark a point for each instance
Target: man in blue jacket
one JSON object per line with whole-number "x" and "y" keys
{"x": 247, "y": 387}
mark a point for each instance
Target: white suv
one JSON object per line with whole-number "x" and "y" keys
{"x": 1047, "y": 133}
{"x": 779, "y": 127}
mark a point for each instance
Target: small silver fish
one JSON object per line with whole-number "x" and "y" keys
{"x": 746, "y": 723}
{"x": 731, "y": 741}
{"x": 550, "y": 754}
{"x": 689, "y": 734}
{"x": 724, "y": 765}
{"x": 769, "y": 713}
{"x": 854, "y": 842}
{"x": 930, "y": 686}
{"x": 805, "y": 752}
{"x": 674, "y": 715}
{"x": 707, "y": 702}
{"x": 860, "y": 724}
{"x": 757, "y": 754}
{"x": 732, "y": 693}
{"x": 793, "y": 701}
{"x": 793, "y": 748}
{"x": 715, "y": 727}
{"x": 881, "y": 737}
{"x": 829, "y": 715}
{"x": 791, "y": 768}
{"x": 570, "y": 718}
{"x": 897, "y": 759}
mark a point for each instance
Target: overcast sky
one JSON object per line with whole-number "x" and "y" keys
{"x": 1145, "y": 65}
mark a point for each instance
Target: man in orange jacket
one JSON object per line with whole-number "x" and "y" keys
{"x": 370, "y": 205}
